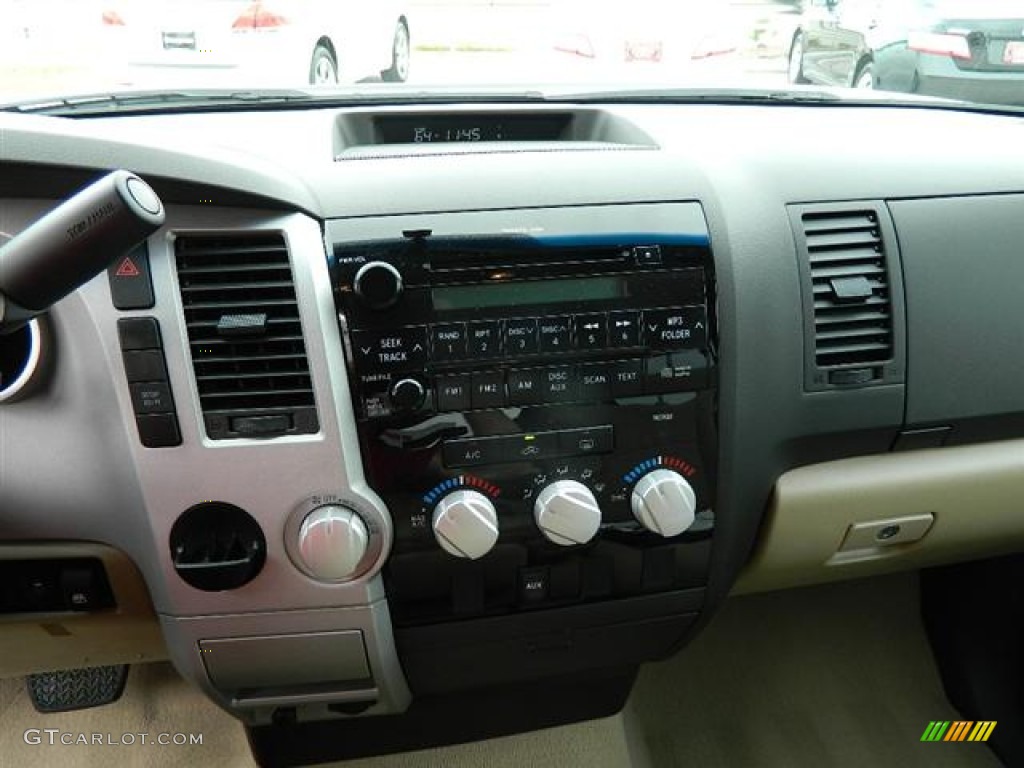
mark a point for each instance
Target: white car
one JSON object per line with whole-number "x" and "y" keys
{"x": 666, "y": 37}
{"x": 285, "y": 42}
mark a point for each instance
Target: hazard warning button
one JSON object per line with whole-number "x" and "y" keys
{"x": 131, "y": 286}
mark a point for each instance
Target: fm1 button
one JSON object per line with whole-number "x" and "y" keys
{"x": 453, "y": 393}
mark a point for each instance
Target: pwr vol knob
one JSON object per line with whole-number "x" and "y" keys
{"x": 378, "y": 284}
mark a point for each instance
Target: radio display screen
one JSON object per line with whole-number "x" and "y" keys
{"x": 525, "y": 292}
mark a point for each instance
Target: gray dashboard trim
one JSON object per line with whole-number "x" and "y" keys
{"x": 964, "y": 271}
{"x": 62, "y": 142}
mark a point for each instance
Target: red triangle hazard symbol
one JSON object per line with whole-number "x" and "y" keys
{"x": 127, "y": 268}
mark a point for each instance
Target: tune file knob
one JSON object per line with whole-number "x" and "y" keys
{"x": 332, "y": 542}
{"x": 664, "y": 503}
{"x": 466, "y": 524}
{"x": 407, "y": 394}
{"x": 567, "y": 513}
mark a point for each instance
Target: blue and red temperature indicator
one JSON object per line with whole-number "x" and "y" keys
{"x": 684, "y": 468}
{"x": 462, "y": 481}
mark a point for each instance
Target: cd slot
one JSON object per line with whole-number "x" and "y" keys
{"x": 477, "y": 265}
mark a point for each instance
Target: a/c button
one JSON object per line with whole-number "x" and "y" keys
{"x": 473, "y": 452}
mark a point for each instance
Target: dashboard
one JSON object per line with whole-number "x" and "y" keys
{"x": 406, "y": 413}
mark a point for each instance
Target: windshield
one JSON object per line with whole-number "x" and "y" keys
{"x": 966, "y": 51}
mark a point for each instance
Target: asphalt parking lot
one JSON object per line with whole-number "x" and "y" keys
{"x": 461, "y": 42}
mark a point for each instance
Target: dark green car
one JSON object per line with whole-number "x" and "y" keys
{"x": 973, "y": 51}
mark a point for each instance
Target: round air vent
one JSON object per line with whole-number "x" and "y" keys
{"x": 217, "y": 546}
{"x": 21, "y": 352}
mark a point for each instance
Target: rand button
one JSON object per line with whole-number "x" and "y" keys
{"x": 449, "y": 341}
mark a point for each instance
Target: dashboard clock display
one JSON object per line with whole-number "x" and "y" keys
{"x": 434, "y": 128}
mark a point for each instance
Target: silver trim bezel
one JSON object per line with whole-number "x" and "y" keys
{"x": 20, "y": 386}
{"x": 377, "y": 525}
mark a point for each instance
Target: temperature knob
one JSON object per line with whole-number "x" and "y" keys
{"x": 378, "y": 284}
{"x": 664, "y": 503}
{"x": 466, "y": 524}
{"x": 567, "y": 513}
{"x": 333, "y": 541}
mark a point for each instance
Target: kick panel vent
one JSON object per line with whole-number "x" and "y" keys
{"x": 849, "y": 283}
{"x": 245, "y": 335}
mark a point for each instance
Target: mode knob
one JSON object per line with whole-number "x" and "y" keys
{"x": 333, "y": 541}
{"x": 466, "y": 524}
{"x": 378, "y": 284}
{"x": 567, "y": 513}
{"x": 664, "y": 503}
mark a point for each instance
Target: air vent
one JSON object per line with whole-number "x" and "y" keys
{"x": 849, "y": 290}
{"x": 244, "y": 332}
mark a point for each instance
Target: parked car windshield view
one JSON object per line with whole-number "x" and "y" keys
{"x": 971, "y": 50}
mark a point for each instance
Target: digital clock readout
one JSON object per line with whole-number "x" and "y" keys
{"x": 425, "y": 133}
{"x": 469, "y": 128}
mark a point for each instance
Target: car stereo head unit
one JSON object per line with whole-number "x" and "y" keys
{"x": 535, "y": 401}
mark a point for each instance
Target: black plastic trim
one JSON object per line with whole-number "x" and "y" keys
{"x": 441, "y": 720}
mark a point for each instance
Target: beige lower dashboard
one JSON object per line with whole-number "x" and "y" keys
{"x": 864, "y": 516}
{"x": 127, "y": 634}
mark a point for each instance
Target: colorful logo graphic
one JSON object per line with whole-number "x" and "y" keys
{"x": 958, "y": 730}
